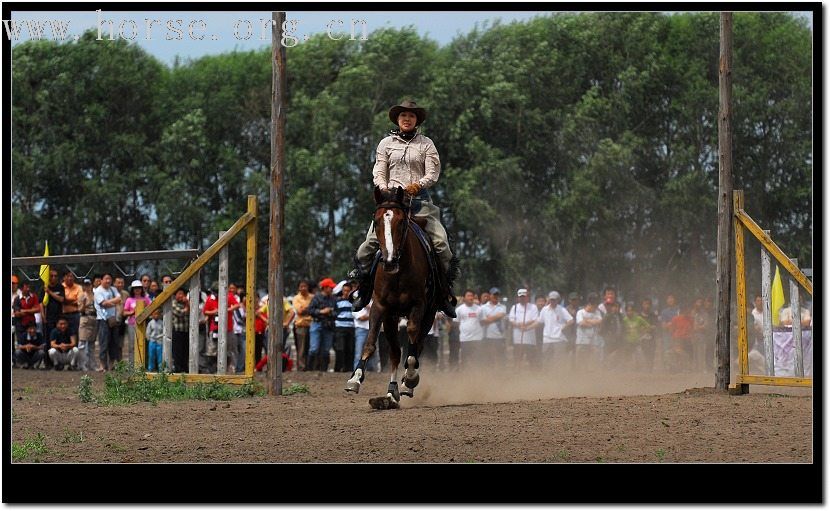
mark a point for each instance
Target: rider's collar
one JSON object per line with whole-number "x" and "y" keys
{"x": 406, "y": 136}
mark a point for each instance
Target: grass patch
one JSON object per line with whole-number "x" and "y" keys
{"x": 127, "y": 385}
{"x": 661, "y": 454}
{"x": 85, "y": 389}
{"x": 32, "y": 447}
{"x": 296, "y": 388}
{"x": 72, "y": 438}
{"x": 116, "y": 448}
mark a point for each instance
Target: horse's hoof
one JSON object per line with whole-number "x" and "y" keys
{"x": 411, "y": 376}
{"x": 383, "y": 403}
{"x": 353, "y": 383}
{"x": 408, "y": 392}
{"x": 393, "y": 392}
{"x": 411, "y": 381}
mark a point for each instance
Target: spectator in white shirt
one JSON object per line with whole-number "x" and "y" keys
{"x": 493, "y": 314}
{"x": 555, "y": 318}
{"x": 588, "y": 342}
{"x": 471, "y": 333}
{"x": 522, "y": 317}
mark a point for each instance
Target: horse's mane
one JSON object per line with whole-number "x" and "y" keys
{"x": 391, "y": 195}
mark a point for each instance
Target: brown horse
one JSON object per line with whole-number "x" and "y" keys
{"x": 404, "y": 286}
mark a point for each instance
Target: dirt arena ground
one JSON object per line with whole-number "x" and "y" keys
{"x": 454, "y": 417}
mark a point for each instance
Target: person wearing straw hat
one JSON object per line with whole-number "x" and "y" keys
{"x": 408, "y": 159}
{"x": 137, "y": 294}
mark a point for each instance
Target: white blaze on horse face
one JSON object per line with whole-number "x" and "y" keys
{"x": 387, "y": 234}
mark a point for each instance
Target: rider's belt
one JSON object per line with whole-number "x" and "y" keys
{"x": 421, "y": 197}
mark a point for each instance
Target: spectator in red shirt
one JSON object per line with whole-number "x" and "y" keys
{"x": 211, "y": 311}
{"x": 25, "y": 306}
{"x": 681, "y": 328}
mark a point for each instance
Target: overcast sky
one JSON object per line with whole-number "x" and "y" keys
{"x": 196, "y": 33}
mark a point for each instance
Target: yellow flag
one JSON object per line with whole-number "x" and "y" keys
{"x": 777, "y": 298}
{"x": 44, "y": 275}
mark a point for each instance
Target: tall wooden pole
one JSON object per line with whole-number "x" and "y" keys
{"x": 275, "y": 228}
{"x": 725, "y": 251}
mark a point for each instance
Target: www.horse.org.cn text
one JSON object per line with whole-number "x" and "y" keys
{"x": 153, "y": 28}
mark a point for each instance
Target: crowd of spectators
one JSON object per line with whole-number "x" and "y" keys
{"x": 597, "y": 332}
{"x": 90, "y": 326}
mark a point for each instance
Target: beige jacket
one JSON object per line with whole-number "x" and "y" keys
{"x": 400, "y": 163}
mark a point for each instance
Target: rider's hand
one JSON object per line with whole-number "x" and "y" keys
{"x": 413, "y": 188}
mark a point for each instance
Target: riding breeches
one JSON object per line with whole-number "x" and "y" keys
{"x": 434, "y": 229}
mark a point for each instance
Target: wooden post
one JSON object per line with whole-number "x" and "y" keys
{"x": 766, "y": 297}
{"x": 139, "y": 349}
{"x": 795, "y": 307}
{"x": 250, "y": 289}
{"x": 740, "y": 292}
{"x": 193, "y": 348}
{"x": 222, "y": 313}
{"x": 724, "y": 263}
{"x": 275, "y": 282}
{"x": 167, "y": 346}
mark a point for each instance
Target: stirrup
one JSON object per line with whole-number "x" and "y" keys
{"x": 447, "y": 306}
{"x": 359, "y": 302}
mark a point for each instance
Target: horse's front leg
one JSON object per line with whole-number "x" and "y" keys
{"x": 411, "y": 377}
{"x": 390, "y": 326}
{"x": 375, "y": 316}
{"x": 393, "y": 395}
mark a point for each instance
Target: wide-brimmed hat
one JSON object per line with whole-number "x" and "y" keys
{"x": 339, "y": 287}
{"x": 407, "y": 105}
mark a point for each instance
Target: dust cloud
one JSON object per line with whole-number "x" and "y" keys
{"x": 439, "y": 388}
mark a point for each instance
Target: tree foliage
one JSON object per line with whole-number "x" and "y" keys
{"x": 577, "y": 149}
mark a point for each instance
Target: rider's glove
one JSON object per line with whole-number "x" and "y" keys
{"x": 413, "y": 188}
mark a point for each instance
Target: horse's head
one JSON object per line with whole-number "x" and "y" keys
{"x": 391, "y": 212}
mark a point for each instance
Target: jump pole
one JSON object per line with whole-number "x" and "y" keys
{"x": 277, "y": 218}
{"x": 725, "y": 252}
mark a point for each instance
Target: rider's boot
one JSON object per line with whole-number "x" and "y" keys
{"x": 447, "y": 300}
{"x": 361, "y": 274}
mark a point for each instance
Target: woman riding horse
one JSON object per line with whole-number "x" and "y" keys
{"x": 408, "y": 159}
{"x": 402, "y": 289}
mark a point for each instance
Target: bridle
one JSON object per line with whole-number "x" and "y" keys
{"x": 403, "y": 206}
